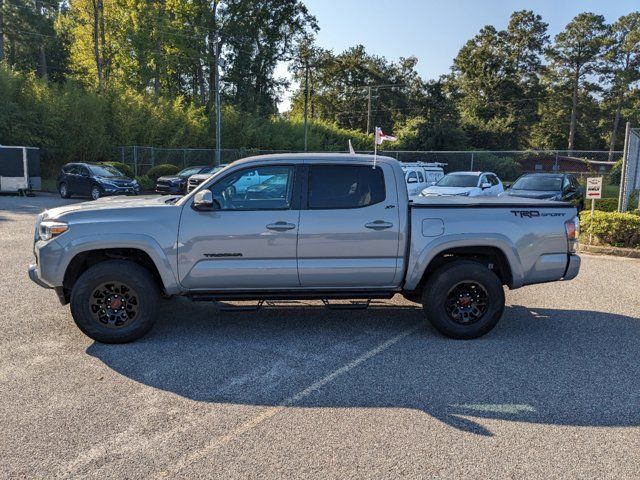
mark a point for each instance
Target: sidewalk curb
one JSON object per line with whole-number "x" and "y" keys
{"x": 608, "y": 250}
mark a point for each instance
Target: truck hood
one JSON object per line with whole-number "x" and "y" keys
{"x": 435, "y": 190}
{"x": 530, "y": 193}
{"x": 109, "y": 203}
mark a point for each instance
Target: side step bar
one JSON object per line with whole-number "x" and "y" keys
{"x": 361, "y": 302}
{"x": 292, "y": 295}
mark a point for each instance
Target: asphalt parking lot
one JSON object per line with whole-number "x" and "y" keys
{"x": 301, "y": 391}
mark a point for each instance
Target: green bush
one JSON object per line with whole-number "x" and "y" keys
{"x": 615, "y": 173}
{"x": 125, "y": 169}
{"x": 161, "y": 170}
{"x": 506, "y": 168}
{"x": 146, "y": 183}
{"x": 603, "y": 204}
{"x": 611, "y": 228}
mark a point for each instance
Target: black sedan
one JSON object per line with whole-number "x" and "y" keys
{"x": 549, "y": 186}
{"x": 177, "y": 184}
{"x": 95, "y": 181}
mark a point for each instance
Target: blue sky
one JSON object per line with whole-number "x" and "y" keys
{"x": 433, "y": 31}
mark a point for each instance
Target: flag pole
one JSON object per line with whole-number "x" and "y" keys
{"x": 375, "y": 146}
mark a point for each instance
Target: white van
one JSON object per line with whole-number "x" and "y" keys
{"x": 420, "y": 175}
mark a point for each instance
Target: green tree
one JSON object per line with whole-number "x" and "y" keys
{"x": 344, "y": 85}
{"x": 621, "y": 67}
{"x": 496, "y": 77}
{"x": 575, "y": 56}
{"x": 438, "y": 125}
{"x": 28, "y": 26}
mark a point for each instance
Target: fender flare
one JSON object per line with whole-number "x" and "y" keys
{"x": 142, "y": 242}
{"x": 423, "y": 259}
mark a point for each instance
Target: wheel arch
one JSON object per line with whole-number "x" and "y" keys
{"x": 88, "y": 251}
{"x": 86, "y": 259}
{"x": 497, "y": 256}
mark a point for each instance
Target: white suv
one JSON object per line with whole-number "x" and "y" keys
{"x": 419, "y": 176}
{"x": 471, "y": 184}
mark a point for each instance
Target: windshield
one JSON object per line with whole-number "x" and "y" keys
{"x": 278, "y": 179}
{"x": 457, "y": 180}
{"x": 187, "y": 172}
{"x": 105, "y": 171}
{"x": 538, "y": 183}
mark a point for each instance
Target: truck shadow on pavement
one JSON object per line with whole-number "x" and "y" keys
{"x": 560, "y": 367}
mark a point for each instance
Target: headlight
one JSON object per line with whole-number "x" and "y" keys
{"x": 134, "y": 183}
{"x": 49, "y": 229}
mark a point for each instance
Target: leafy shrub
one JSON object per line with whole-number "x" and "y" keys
{"x": 506, "y": 168}
{"x": 615, "y": 173}
{"x": 603, "y": 204}
{"x": 125, "y": 169}
{"x": 161, "y": 170}
{"x": 146, "y": 183}
{"x": 612, "y": 228}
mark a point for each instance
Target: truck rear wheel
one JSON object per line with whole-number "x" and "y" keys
{"x": 115, "y": 301}
{"x": 463, "y": 299}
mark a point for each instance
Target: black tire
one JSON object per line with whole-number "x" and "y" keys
{"x": 99, "y": 324}
{"x": 479, "y": 285}
{"x": 95, "y": 192}
{"x": 63, "y": 190}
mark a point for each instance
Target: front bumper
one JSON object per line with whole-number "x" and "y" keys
{"x": 121, "y": 190}
{"x": 573, "y": 267}
{"x": 34, "y": 275}
{"x": 170, "y": 189}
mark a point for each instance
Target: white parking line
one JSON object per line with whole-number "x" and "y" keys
{"x": 188, "y": 459}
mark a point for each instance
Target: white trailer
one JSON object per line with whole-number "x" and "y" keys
{"x": 19, "y": 169}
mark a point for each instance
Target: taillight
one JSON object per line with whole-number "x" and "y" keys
{"x": 572, "y": 227}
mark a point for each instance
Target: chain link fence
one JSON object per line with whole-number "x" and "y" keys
{"x": 507, "y": 164}
{"x": 142, "y": 159}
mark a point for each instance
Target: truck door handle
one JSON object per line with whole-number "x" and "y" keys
{"x": 281, "y": 226}
{"x": 378, "y": 225}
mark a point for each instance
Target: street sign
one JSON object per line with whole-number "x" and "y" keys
{"x": 594, "y": 187}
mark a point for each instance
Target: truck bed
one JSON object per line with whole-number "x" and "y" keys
{"x": 529, "y": 234}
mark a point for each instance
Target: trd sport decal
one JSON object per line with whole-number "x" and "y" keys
{"x": 535, "y": 213}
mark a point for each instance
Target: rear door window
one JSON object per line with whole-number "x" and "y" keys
{"x": 345, "y": 186}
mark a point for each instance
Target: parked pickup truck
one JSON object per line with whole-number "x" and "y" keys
{"x": 335, "y": 228}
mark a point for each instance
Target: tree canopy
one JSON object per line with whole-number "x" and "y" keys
{"x": 144, "y": 72}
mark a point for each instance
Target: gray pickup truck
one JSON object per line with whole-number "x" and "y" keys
{"x": 320, "y": 226}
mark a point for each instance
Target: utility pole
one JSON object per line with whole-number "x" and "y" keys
{"x": 217, "y": 88}
{"x": 368, "y": 110}
{"x": 306, "y": 99}
{"x": 377, "y": 88}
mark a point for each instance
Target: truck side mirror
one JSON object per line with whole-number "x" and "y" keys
{"x": 203, "y": 201}
{"x": 485, "y": 185}
{"x": 432, "y": 184}
{"x": 412, "y": 180}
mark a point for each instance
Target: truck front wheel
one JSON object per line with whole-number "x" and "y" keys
{"x": 463, "y": 299}
{"x": 115, "y": 301}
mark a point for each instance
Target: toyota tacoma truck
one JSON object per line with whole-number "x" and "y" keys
{"x": 336, "y": 227}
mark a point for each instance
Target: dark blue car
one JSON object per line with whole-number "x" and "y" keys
{"x": 177, "y": 184}
{"x": 549, "y": 186}
{"x": 94, "y": 181}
